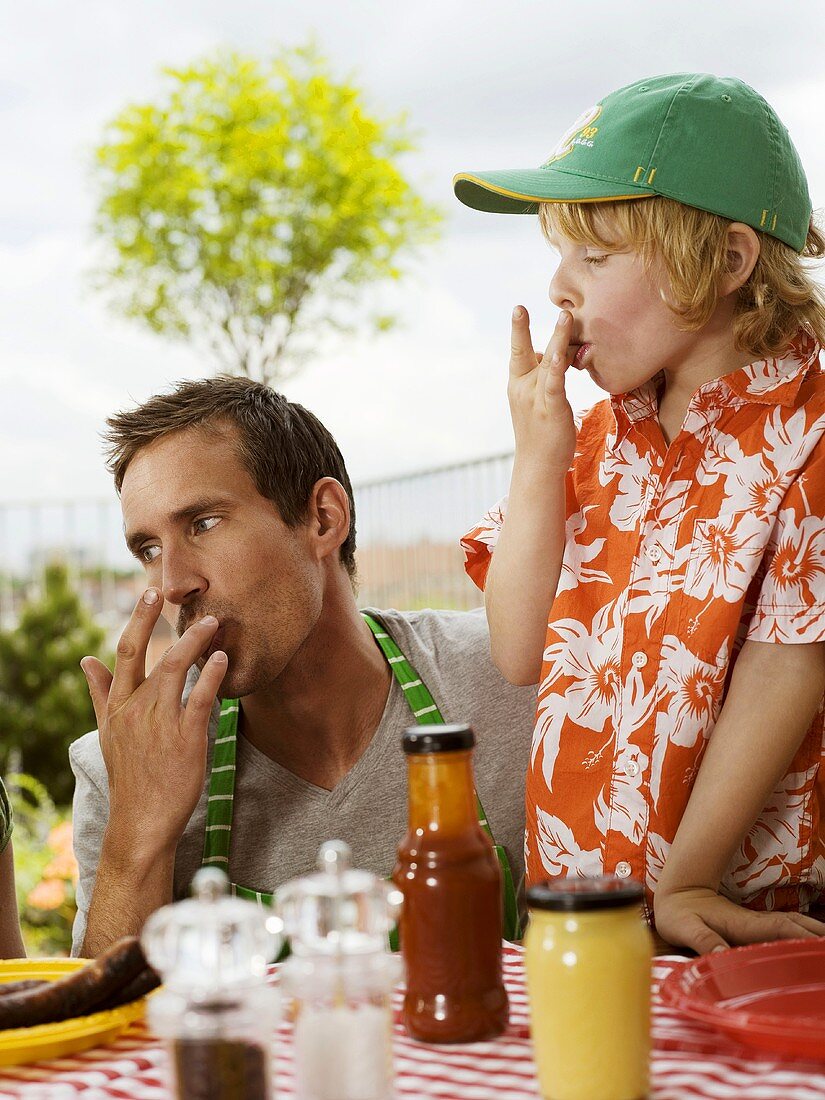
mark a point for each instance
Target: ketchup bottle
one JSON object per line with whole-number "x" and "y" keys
{"x": 451, "y": 919}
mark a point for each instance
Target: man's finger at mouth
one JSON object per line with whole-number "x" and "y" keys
{"x": 192, "y": 644}
{"x": 199, "y": 705}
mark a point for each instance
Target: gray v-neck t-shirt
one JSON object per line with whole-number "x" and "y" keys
{"x": 280, "y": 820}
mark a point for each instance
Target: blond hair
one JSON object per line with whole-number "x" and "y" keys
{"x": 779, "y": 296}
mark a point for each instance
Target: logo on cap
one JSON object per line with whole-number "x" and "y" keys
{"x": 581, "y": 132}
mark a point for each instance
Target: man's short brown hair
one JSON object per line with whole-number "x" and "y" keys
{"x": 283, "y": 447}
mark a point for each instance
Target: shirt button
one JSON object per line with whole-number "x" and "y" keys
{"x": 623, "y": 869}
{"x": 632, "y": 769}
{"x": 655, "y": 553}
{"x": 639, "y": 659}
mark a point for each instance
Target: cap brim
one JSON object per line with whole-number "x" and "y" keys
{"x": 520, "y": 191}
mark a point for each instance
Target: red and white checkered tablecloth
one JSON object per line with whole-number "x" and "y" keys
{"x": 690, "y": 1062}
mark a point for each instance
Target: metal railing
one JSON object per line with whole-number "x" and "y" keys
{"x": 407, "y": 527}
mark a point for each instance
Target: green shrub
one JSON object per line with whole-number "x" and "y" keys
{"x": 43, "y": 695}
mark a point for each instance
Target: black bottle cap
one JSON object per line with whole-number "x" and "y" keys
{"x": 575, "y": 894}
{"x": 422, "y": 739}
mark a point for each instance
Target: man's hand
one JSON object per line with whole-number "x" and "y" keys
{"x": 153, "y": 747}
{"x": 700, "y": 919}
{"x": 542, "y": 417}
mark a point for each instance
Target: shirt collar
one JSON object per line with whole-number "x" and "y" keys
{"x": 765, "y": 382}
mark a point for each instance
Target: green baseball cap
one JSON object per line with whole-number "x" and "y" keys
{"x": 705, "y": 141}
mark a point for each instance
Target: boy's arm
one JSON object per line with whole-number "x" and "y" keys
{"x": 11, "y": 943}
{"x": 774, "y": 694}
{"x": 524, "y": 571}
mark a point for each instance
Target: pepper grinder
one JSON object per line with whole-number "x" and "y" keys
{"x": 340, "y": 976}
{"x": 216, "y": 1012}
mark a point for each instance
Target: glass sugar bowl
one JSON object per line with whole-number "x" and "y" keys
{"x": 340, "y": 977}
{"x": 216, "y": 1012}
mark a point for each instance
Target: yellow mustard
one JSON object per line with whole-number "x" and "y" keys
{"x": 587, "y": 958}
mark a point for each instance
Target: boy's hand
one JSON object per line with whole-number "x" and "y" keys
{"x": 153, "y": 747}
{"x": 542, "y": 418}
{"x": 700, "y": 919}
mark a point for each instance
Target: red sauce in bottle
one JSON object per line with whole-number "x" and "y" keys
{"x": 448, "y": 872}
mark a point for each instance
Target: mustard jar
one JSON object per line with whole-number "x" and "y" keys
{"x": 587, "y": 960}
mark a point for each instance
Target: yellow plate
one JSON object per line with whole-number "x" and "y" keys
{"x": 33, "y": 1044}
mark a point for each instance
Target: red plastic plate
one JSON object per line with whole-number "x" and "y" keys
{"x": 770, "y": 995}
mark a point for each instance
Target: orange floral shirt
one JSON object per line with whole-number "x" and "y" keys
{"x": 674, "y": 557}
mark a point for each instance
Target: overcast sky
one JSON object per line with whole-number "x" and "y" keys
{"x": 487, "y": 85}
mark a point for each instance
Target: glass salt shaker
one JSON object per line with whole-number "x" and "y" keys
{"x": 340, "y": 976}
{"x": 216, "y": 1012}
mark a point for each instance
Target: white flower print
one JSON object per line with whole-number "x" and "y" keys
{"x": 577, "y": 555}
{"x": 625, "y": 810}
{"x": 592, "y": 660}
{"x": 636, "y": 705}
{"x": 758, "y": 481}
{"x": 796, "y": 564}
{"x": 689, "y": 703}
{"x": 488, "y": 530}
{"x": 695, "y": 688}
{"x": 633, "y": 479}
{"x": 550, "y": 715}
{"x": 671, "y": 503}
{"x": 559, "y": 852}
{"x": 772, "y": 850}
{"x": 764, "y": 375}
{"x": 658, "y": 849}
{"x": 654, "y": 581}
{"x": 725, "y": 554}
{"x": 653, "y": 585}
{"x": 706, "y": 407}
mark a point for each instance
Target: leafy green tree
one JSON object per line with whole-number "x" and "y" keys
{"x": 251, "y": 205}
{"x": 43, "y": 695}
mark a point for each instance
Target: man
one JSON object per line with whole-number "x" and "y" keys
{"x": 238, "y": 505}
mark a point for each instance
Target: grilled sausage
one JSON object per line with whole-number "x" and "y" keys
{"x": 18, "y": 987}
{"x": 144, "y": 983}
{"x": 77, "y": 993}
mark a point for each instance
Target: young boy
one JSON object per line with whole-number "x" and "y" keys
{"x": 11, "y": 944}
{"x": 661, "y": 570}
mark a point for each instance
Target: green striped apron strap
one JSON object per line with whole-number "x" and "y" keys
{"x": 220, "y": 803}
{"x": 426, "y": 713}
{"x": 220, "y": 798}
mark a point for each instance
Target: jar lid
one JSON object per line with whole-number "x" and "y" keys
{"x": 448, "y": 738}
{"x": 210, "y": 941}
{"x": 574, "y": 894}
{"x": 340, "y": 909}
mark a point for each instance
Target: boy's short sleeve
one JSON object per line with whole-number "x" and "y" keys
{"x": 6, "y": 820}
{"x": 790, "y": 605}
{"x": 479, "y": 543}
